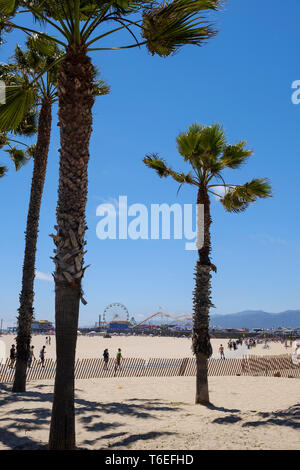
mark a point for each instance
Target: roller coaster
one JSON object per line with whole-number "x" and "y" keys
{"x": 184, "y": 318}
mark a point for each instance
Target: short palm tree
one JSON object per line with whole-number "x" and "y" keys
{"x": 79, "y": 24}
{"x": 207, "y": 152}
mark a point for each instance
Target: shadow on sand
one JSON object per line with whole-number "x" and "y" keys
{"x": 289, "y": 418}
{"x": 13, "y": 434}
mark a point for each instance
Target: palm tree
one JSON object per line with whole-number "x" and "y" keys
{"x": 163, "y": 28}
{"x": 36, "y": 86}
{"x": 207, "y": 151}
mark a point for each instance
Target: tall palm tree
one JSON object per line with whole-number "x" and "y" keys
{"x": 34, "y": 87}
{"x": 207, "y": 152}
{"x": 79, "y": 24}
{"x": 34, "y": 84}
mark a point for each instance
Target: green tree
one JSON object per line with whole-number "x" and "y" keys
{"x": 79, "y": 24}
{"x": 207, "y": 152}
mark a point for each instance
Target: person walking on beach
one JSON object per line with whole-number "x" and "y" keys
{"x": 105, "y": 358}
{"x": 46, "y": 340}
{"x": 221, "y": 351}
{"x": 49, "y": 340}
{"x": 118, "y": 360}
{"x": 42, "y": 356}
{"x": 31, "y": 356}
{"x": 12, "y": 356}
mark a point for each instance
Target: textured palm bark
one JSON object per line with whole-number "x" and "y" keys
{"x": 75, "y": 88}
{"x": 26, "y": 310}
{"x": 201, "y": 305}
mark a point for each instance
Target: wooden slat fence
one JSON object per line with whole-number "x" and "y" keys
{"x": 272, "y": 366}
{"x": 87, "y": 368}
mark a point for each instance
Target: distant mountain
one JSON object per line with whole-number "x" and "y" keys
{"x": 257, "y": 319}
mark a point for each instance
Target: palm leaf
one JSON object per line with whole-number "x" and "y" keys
{"x": 3, "y": 170}
{"x": 235, "y": 155}
{"x": 202, "y": 146}
{"x": 30, "y": 151}
{"x": 157, "y": 164}
{"x": 3, "y": 139}
{"x": 28, "y": 126}
{"x": 101, "y": 88}
{"x": 182, "y": 177}
{"x": 172, "y": 25}
{"x": 42, "y": 45}
{"x": 18, "y": 103}
{"x": 238, "y": 198}
{"x": 18, "y": 156}
{"x": 7, "y": 6}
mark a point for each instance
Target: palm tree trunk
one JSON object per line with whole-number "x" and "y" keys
{"x": 25, "y": 317}
{"x": 202, "y": 303}
{"x": 75, "y": 88}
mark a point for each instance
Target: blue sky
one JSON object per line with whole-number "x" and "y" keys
{"x": 242, "y": 79}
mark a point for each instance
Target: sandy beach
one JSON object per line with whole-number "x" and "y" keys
{"x": 145, "y": 347}
{"x": 158, "y": 412}
{"x": 257, "y": 413}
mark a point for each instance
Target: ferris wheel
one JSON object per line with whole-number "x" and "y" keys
{"x": 115, "y": 311}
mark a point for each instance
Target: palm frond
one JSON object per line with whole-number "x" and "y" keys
{"x": 42, "y": 45}
{"x": 30, "y": 151}
{"x": 238, "y": 198}
{"x": 3, "y": 170}
{"x": 157, "y": 164}
{"x": 3, "y": 139}
{"x": 18, "y": 156}
{"x": 182, "y": 178}
{"x": 188, "y": 142}
{"x": 235, "y": 155}
{"x": 100, "y": 88}
{"x": 18, "y": 103}
{"x": 202, "y": 145}
{"x": 174, "y": 24}
{"x": 28, "y": 126}
{"x": 7, "y": 6}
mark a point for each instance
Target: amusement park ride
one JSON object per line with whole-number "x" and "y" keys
{"x": 117, "y": 314}
{"x": 165, "y": 316}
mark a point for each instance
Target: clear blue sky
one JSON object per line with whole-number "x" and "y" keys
{"x": 242, "y": 79}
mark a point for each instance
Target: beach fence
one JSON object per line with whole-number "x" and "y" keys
{"x": 88, "y": 368}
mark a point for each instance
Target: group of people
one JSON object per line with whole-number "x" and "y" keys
{"x": 233, "y": 345}
{"x": 250, "y": 343}
{"x": 117, "y": 360}
{"x": 13, "y": 356}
